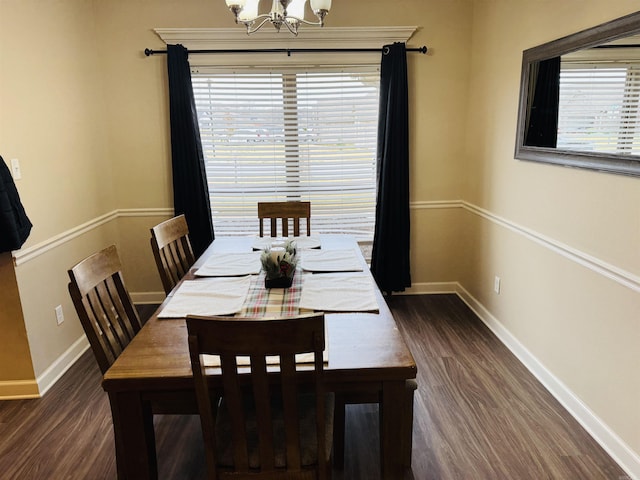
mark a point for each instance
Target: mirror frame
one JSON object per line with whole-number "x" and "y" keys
{"x": 606, "y": 32}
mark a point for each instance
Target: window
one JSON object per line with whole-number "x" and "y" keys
{"x": 599, "y": 108}
{"x": 290, "y": 134}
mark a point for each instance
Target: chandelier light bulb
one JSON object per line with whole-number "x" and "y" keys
{"x": 319, "y": 5}
{"x": 296, "y": 9}
{"x": 249, "y": 12}
{"x": 288, "y": 13}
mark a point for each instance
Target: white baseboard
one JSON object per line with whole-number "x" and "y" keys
{"x": 621, "y": 453}
{"x": 20, "y": 389}
{"x": 51, "y": 375}
{"x": 147, "y": 298}
{"x": 430, "y": 288}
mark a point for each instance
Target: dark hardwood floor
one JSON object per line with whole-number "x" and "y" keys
{"x": 479, "y": 414}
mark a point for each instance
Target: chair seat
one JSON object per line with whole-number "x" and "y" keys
{"x": 308, "y": 439}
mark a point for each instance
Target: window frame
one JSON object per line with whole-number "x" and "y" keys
{"x": 355, "y": 193}
{"x": 617, "y": 29}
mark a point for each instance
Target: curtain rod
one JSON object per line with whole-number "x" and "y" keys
{"x": 288, "y": 51}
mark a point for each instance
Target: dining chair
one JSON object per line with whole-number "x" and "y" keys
{"x": 103, "y": 304}
{"x": 274, "y": 421}
{"x": 172, "y": 250}
{"x": 284, "y": 211}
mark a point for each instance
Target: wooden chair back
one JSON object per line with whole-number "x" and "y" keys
{"x": 172, "y": 250}
{"x": 250, "y": 396}
{"x": 104, "y": 306}
{"x": 285, "y": 211}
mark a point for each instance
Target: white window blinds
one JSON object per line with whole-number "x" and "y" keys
{"x": 599, "y": 108}
{"x": 290, "y": 134}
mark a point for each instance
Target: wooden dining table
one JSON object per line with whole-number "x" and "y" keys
{"x": 368, "y": 358}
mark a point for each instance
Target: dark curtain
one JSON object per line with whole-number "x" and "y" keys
{"x": 390, "y": 257}
{"x": 190, "y": 191}
{"x": 15, "y": 226}
{"x": 543, "y": 115}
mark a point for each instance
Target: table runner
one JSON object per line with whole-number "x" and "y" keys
{"x": 273, "y": 302}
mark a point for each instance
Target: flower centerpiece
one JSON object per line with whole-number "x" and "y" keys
{"x": 279, "y": 264}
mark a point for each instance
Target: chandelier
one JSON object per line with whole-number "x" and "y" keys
{"x": 289, "y": 13}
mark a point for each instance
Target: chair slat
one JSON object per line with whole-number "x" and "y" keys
{"x": 234, "y": 402}
{"x": 264, "y": 418}
{"x": 290, "y": 409}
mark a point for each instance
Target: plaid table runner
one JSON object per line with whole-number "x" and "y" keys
{"x": 278, "y": 302}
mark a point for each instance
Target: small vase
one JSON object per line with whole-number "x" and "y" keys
{"x": 278, "y": 282}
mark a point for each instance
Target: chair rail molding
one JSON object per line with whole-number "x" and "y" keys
{"x": 617, "y": 274}
{"x": 29, "y": 253}
{"x": 612, "y": 272}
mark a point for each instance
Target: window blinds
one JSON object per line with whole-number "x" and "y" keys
{"x": 599, "y": 108}
{"x": 293, "y": 134}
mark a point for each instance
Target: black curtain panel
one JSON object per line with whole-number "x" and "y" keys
{"x": 390, "y": 257}
{"x": 190, "y": 191}
{"x": 14, "y": 223}
{"x": 543, "y": 118}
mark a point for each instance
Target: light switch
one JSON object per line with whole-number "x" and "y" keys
{"x": 15, "y": 169}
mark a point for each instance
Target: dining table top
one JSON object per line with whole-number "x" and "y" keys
{"x": 363, "y": 346}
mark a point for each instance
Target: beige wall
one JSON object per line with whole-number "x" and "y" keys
{"x": 582, "y": 326}
{"x": 75, "y": 71}
{"x": 52, "y": 118}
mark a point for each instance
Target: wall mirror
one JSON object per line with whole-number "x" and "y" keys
{"x": 580, "y": 99}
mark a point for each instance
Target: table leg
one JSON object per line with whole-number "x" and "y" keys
{"x": 392, "y": 416}
{"x": 407, "y": 423}
{"x": 339, "y": 420}
{"x": 134, "y": 436}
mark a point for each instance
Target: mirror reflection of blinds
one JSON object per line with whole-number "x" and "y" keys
{"x": 288, "y": 135}
{"x": 599, "y": 108}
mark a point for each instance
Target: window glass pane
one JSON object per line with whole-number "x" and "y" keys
{"x": 599, "y": 108}
{"x": 290, "y": 135}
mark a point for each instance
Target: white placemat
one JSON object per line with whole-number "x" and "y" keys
{"x": 330, "y": 261}
{"x": 302, "y": 243}
{"x": 208, "y": 296}
{"x": 231, "y": 265}
{"x": 338, "y": 292}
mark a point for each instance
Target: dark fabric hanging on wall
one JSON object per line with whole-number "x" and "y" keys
{"x": 390, "y": 257}
{"x": 190, "y": 191}
{"x": 14, "y": 223}
{"x": 543, "y": 116}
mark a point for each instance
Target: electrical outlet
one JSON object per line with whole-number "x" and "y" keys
{"x": 496, "y": 284}
{"x": 59, "y": 315}
{"x": 15, "y": 169}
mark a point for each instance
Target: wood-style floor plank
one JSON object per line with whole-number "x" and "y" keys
{"x": 479, "y": 414}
